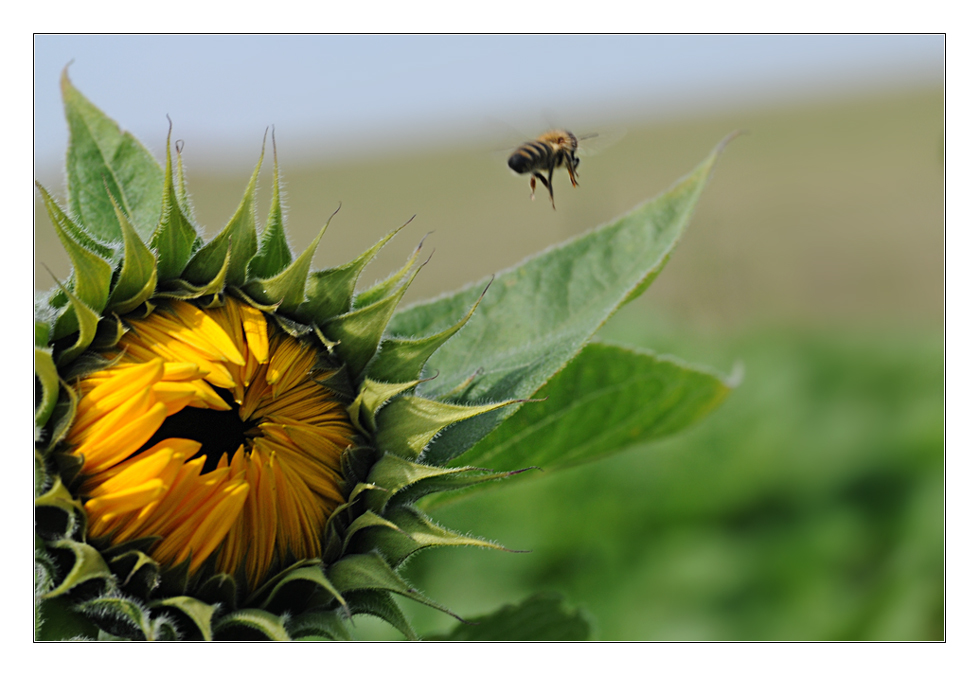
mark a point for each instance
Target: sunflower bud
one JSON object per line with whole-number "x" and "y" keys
{"x": 222, "y": 446}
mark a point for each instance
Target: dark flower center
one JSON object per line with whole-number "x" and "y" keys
{"x": 219, "y": 432}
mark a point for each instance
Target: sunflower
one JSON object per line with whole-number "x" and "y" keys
{"x": 212, "y": 437}
{"x": 225, "y": 446}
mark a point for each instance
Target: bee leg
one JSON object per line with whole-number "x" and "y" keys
{"x": 534, "y": 184}
{"x": 571, "y": 163}
{"x": 548, "y": 185}
{"x": 546, "y": 182}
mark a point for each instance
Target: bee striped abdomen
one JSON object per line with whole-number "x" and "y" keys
{"x": 532, "y": 155}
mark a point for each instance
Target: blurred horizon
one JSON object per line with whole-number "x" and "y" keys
{"x": 337, "y": 98}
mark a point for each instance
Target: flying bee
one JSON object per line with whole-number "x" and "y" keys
{"x": 548, "y": 152}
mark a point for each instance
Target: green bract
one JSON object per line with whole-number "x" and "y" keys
{"x": 129, "y": 232}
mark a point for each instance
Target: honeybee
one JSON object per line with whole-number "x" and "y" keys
{"x": 549, "y": 151}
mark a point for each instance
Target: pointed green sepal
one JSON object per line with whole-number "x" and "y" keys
{"x": 368, "y": 520}
{"x": 274, "y": 253}
{"x": 287, "y": 289}
{"x": 371, "y": 572}
{"x": 88, "y": 566}
{"x": 407, "y": 424}
{"x": 219, "y": 588}
{"x": 542, "y": 617}
{"x": 254, "y": 621}
{"x": 87, "y": 322}
{"x": 47, "y": 376}
{"x": 138, "y": 276}
{"x": 92, "y": 275}
{"x": 175, "y": 236}
{"x": 396, "y": 480}
{"x": 107, "y": 335}
{"x": 101, "y": 155}
{"x": 329, "y": 292}
{"x": 413, "y": 531}
{"x": 56, "y": 620}
{"x": 304, "y": 578}
{"x": 385, "y": 287}
{"x": 75, "y": 231}
{"x": 381, "y": 604}
{"x": 139, "y": 573}
{"x": 238, "y": 237}
{"x": 126, "y": 618}
{"x": 68, "y": 508}
{"x": 183, "y": 197}
{"x": 449, "y": 482}
{"x": 370, "y": 399}
{"x": 367, "y": 489}
{"x": 196, "y": 611}
{"x": 393, "y": 473}
{"x": 319, "y": 625}
{"x": 359, "y": 331}
{"x": 64, "y": 414}
{"x": 182, "y": 289}
{"x": 402, "y": 359}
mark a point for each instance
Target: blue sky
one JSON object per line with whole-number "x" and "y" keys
{"x": 331, "y": 96}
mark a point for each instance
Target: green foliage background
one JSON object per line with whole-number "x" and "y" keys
{"x": 810, "y": 505}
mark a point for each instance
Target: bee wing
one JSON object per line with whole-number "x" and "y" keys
{"x": 596, "y": 142}
{"x": 506, "y": 138}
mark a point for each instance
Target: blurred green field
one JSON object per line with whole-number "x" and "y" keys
{"x": 810, "y": 506}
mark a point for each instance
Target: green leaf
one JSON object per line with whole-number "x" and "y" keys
{"x": 274, "y": 253}
{"x": 536, "y": 316}
{"x": 138, "y": 276}
{"x": 101, "y": 155}
{"x": 174, "y": 238}
{"x": 543, "y": 617}
{"x": 238, "y": 236}
{"x": 607, "y": 399}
